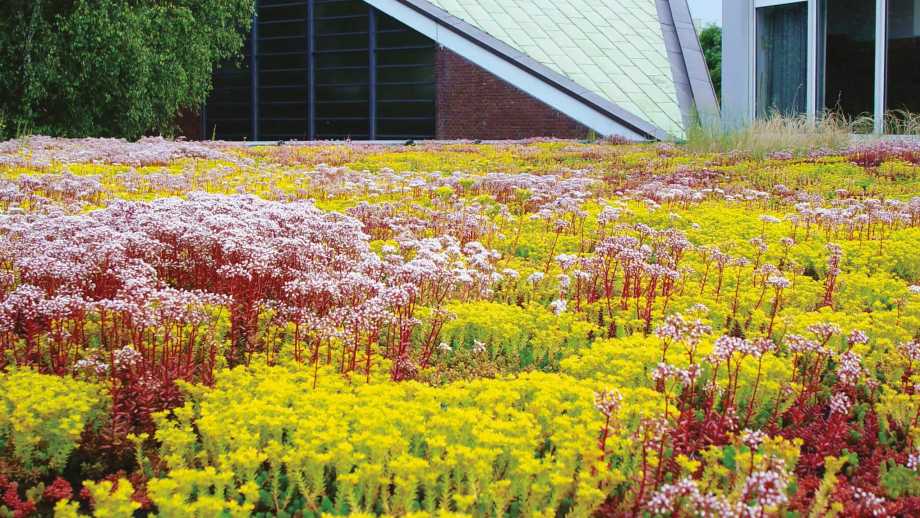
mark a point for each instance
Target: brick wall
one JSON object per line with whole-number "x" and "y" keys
{"x": 474, "y": 104}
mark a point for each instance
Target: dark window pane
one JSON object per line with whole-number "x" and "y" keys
{"x": 284, "y": 128}
{"x": 341, "y": 59}
{"x": 342, "y": 69}
{"x": 284, "y": 76}
{"x": 341, "y": 128}
{"x": 282, "y": 10}
{"x": 391, "y": 91}
{"x": 406, "y": 108}
{"x": 333, "y": 8}
{"x": 406, "y": 81}
{"x": 341, "y": 92}
{"x": 848, "y": 74}
{"x": 342, "y": 42}
{"x": 405, "y": 127}
{"x": 386, "y": 22}
{"x": 401, "y": 39}
{"x": 782, "y": 57}
{"x": 345, "y": 108}
{"x": 275, "y": 28}
{"x": 406, "y": 57}
{"x": 282, "y": 61}
{"x": 904, "y": 55}
{"x": 331, "y": 26}
{"x": 342, "y": 76}
{"x": 283, "y": 45}
{"x": 265, "y": 3}
{"x": 227, "y": 115}
{"x": 405, "y": 76}
{"x": 281, "y": 94}
{"x": 281, "y": 110}
{"x": 387, "y": 74}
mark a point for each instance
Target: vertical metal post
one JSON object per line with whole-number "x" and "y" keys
{"x": 881, "y": 63}
{"x": 821, "y": 72}
{"x": 812, "y": 74}
{"x": 254, "y": 75}
{"x": 372, "y": 64}
{"x": 311, "y": 71}
{"x": 752, "y": 62}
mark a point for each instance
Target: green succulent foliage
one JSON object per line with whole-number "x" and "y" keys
{"x": 899, "y": 481}
{"x": 111, "y": 67}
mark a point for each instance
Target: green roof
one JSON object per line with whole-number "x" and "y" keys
{"x": 613, "y": 48}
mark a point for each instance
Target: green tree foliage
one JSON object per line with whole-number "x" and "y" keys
{"x": 711, "y": 41}
{"x": 111, "y": 67}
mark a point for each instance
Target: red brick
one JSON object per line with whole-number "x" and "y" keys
{"x": 474, "y": 104}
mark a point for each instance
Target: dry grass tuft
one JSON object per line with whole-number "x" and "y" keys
{"x": 796, "y": 135}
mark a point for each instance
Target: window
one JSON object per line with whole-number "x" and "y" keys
{"x": 858, "y": 58}
{"x": 282, "y": 70}
{"x": 782, "y": 59}
{"x": 227, "y": 114}
{"x": 327, "y": 69}
{"x": 342, "y": 75}
{"x": 371, "y": 66}
{"x": 405, "y": 62}
{"x": 847, "y": 70}
{"x": 903, "y": 75}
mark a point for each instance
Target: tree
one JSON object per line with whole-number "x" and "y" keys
{"x": 112, "y": 67}
{"x": 711, "y": 41}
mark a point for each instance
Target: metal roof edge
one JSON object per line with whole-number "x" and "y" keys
{"x": 705, "y": 102}
{"x": 676, "y": 59}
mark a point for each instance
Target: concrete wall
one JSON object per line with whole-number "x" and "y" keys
{"x": 736, "y": 62}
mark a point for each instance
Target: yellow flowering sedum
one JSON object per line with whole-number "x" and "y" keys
{"x": 263, "y": 438}
{"x": 43, "y": 416}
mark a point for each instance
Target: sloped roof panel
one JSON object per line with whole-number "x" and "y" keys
{"x": 613, "y": 48}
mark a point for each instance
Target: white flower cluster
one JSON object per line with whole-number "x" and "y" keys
{"x": 126, "y": 358}
{"x": 763, "y": 490}
{"x": 37, "y": 151}
{"x": 870, "y": 502}
{"x": 840, "y": 404}
{"x": 241, "y": 253}
{"x": 607, "y": 402}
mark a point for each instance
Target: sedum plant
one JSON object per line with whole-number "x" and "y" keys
{"x": 43, "y": 416}
{"x": 514, "y": 329}
{"x": 263, "y": 440}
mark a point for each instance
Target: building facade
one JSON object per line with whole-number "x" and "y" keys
{"x": 461, "y": 69}
{"x": 859, "y": 58}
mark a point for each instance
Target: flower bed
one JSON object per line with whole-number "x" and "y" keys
{"x": 530, "y": 329}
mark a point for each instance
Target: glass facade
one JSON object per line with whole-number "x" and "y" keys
{"x": 281, "y": 62}
{"x": 864, "y": 66}
{"x": 781, "y": 59}
{"x": 342, "y": 61}
{"x": 846, "y": 63}
{"x": 406, "y": 82}
{"x": 227, "y": 114}
{"x": 903, "y": 71}
{"x": 325, "y": 69}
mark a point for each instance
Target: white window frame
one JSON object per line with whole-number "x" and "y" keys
{"x": 881, "y": 64}
{"x": 881, "y": 58}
